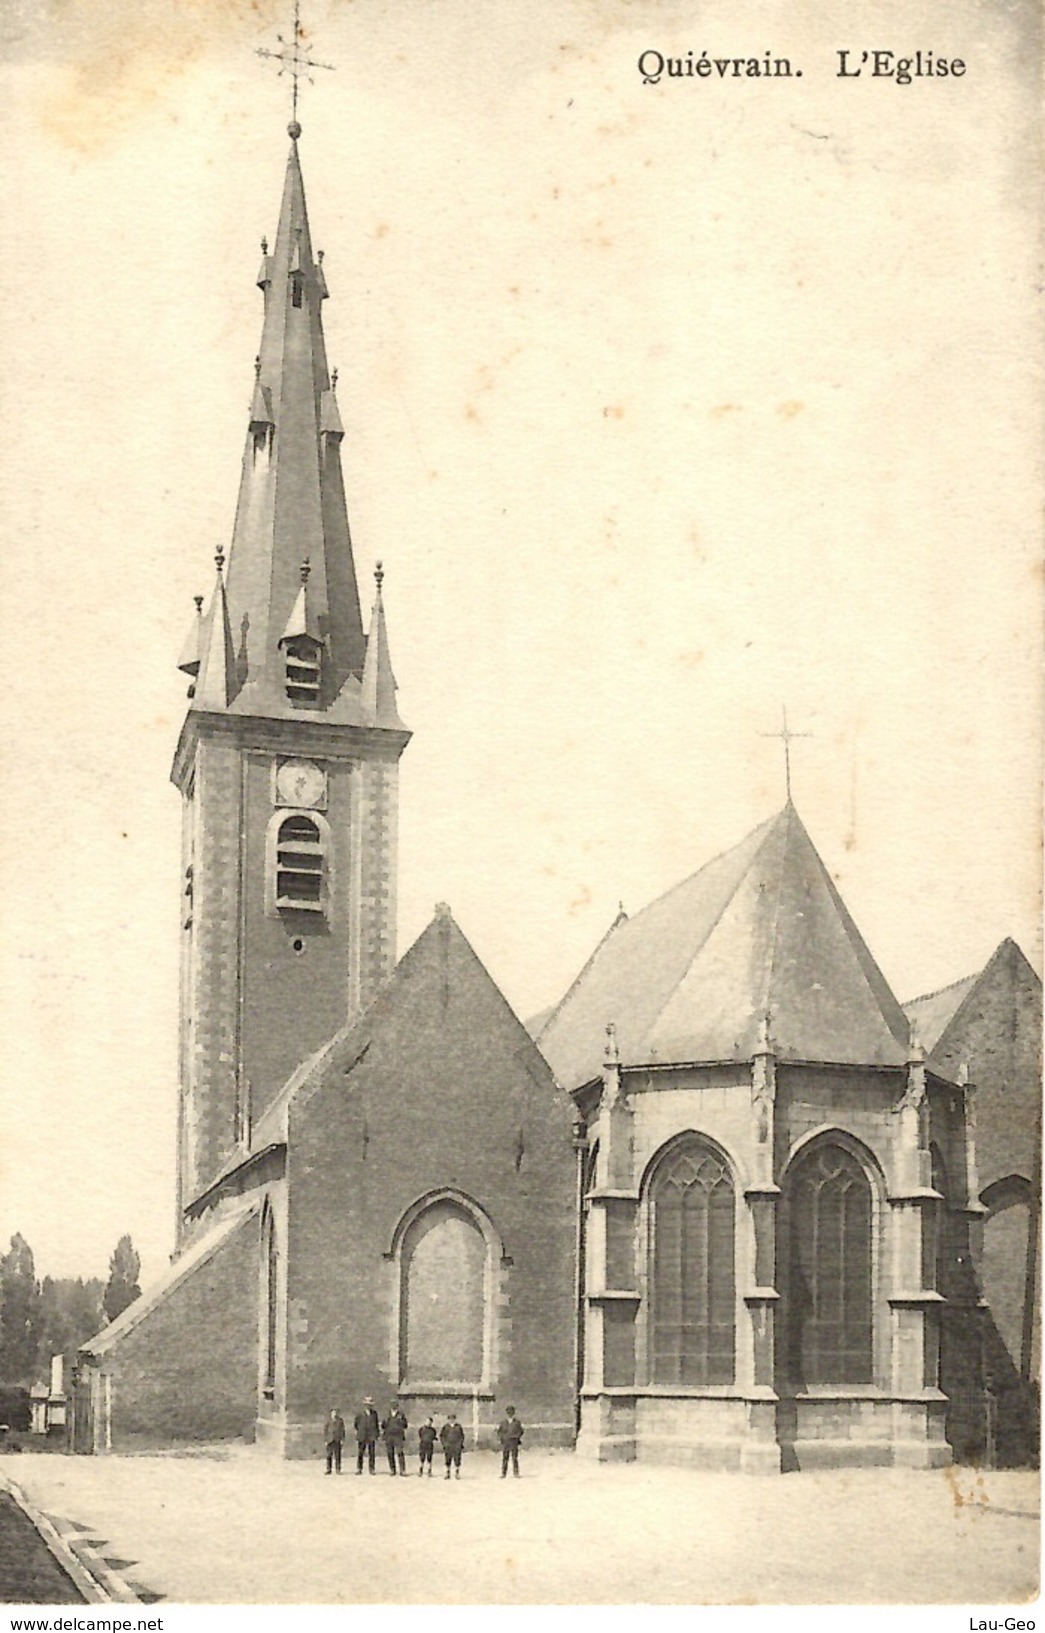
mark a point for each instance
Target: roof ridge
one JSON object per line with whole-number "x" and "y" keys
{"x": 938, "y": 992}
{"x": 788, "y": 811}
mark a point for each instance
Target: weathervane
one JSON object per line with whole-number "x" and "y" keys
{"x": 785, "y": 735}
{"x": 296, "y": 60}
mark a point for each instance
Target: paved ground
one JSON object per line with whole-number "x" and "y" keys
{"x": 240, "y": 1528}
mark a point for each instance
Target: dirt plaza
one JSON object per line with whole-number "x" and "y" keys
{"x": 232, "y": 1526}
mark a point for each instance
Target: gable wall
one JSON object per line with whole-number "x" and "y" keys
{"x": 998, "y": 1030}
{"x": 448, "y": 1086}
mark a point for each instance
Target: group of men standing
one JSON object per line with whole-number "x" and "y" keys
{"x": 392, "y": 1430}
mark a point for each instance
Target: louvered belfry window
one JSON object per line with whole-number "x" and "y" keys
{"x": 299, "y": 865}
{"x": 694, "y": 1288}
{"x": 830, "y": 1269}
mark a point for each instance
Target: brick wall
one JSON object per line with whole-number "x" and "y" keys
{"x": 189, "y": 1370}
{"x": 212, "y": 1000}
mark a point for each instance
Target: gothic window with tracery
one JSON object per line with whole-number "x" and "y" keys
{"x": 693, "y": 1276}
{"x": 829, "y": 1282}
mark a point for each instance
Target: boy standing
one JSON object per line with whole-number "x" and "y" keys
{"x": 426, "y": 1445}
{"x": 452, "y": 1438}
{"x": 509, "y": 1433}
{"x": 334, "y": 1434}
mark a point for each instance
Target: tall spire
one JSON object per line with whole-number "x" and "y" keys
{"x": 292, "y": 499}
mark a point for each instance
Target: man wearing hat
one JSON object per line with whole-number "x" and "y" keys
{"x": 367, "y": 1427}
{"x": 394, "y": 1431}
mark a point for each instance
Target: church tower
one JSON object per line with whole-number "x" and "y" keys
{"x": 287, "y": 762}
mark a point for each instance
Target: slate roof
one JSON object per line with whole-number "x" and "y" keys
{"x": 933, "y": 1012}
{"x": 760, "y": 930}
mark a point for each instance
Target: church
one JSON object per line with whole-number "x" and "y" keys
{"x": 719, "y": 1206}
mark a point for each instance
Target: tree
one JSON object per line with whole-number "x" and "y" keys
{"x": 70, "y": 1313}
{"x": 19, "y": 1313}
{"x": 122, "y": 1287}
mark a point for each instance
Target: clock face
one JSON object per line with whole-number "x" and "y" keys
{"x": 299, "y": 782}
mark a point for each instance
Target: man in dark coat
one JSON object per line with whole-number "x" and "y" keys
{"x": 334, "y": 1434}
{"x": 509, "y": 1433}
{"x": 394, "y": 1430}
{"x": 366, "y": 1426}
{"x": 452, "y": 1437}
{"x": 426, "y": 1437}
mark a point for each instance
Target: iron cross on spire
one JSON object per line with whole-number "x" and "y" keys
{"x": 296, "y": 60}
{"x": 786, "y": 735}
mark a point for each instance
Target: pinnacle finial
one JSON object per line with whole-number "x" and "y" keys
{"x": 219, "y": 558}
{"x": 199, "y": 605}
{"x": 264, "y": 246}
{"x": 257, "y": 367}
{"x": 379, "y": 576}
{"x": 333, "y": 379}
{"x": 306, "y": 568}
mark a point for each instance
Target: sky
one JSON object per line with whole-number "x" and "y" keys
{"x": 665, "y": 405}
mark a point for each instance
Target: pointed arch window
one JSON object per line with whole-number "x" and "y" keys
{"x": 444, "y": 1298}
{"x": 693, "y": 1209}
{"x": 829, "y": 1268}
